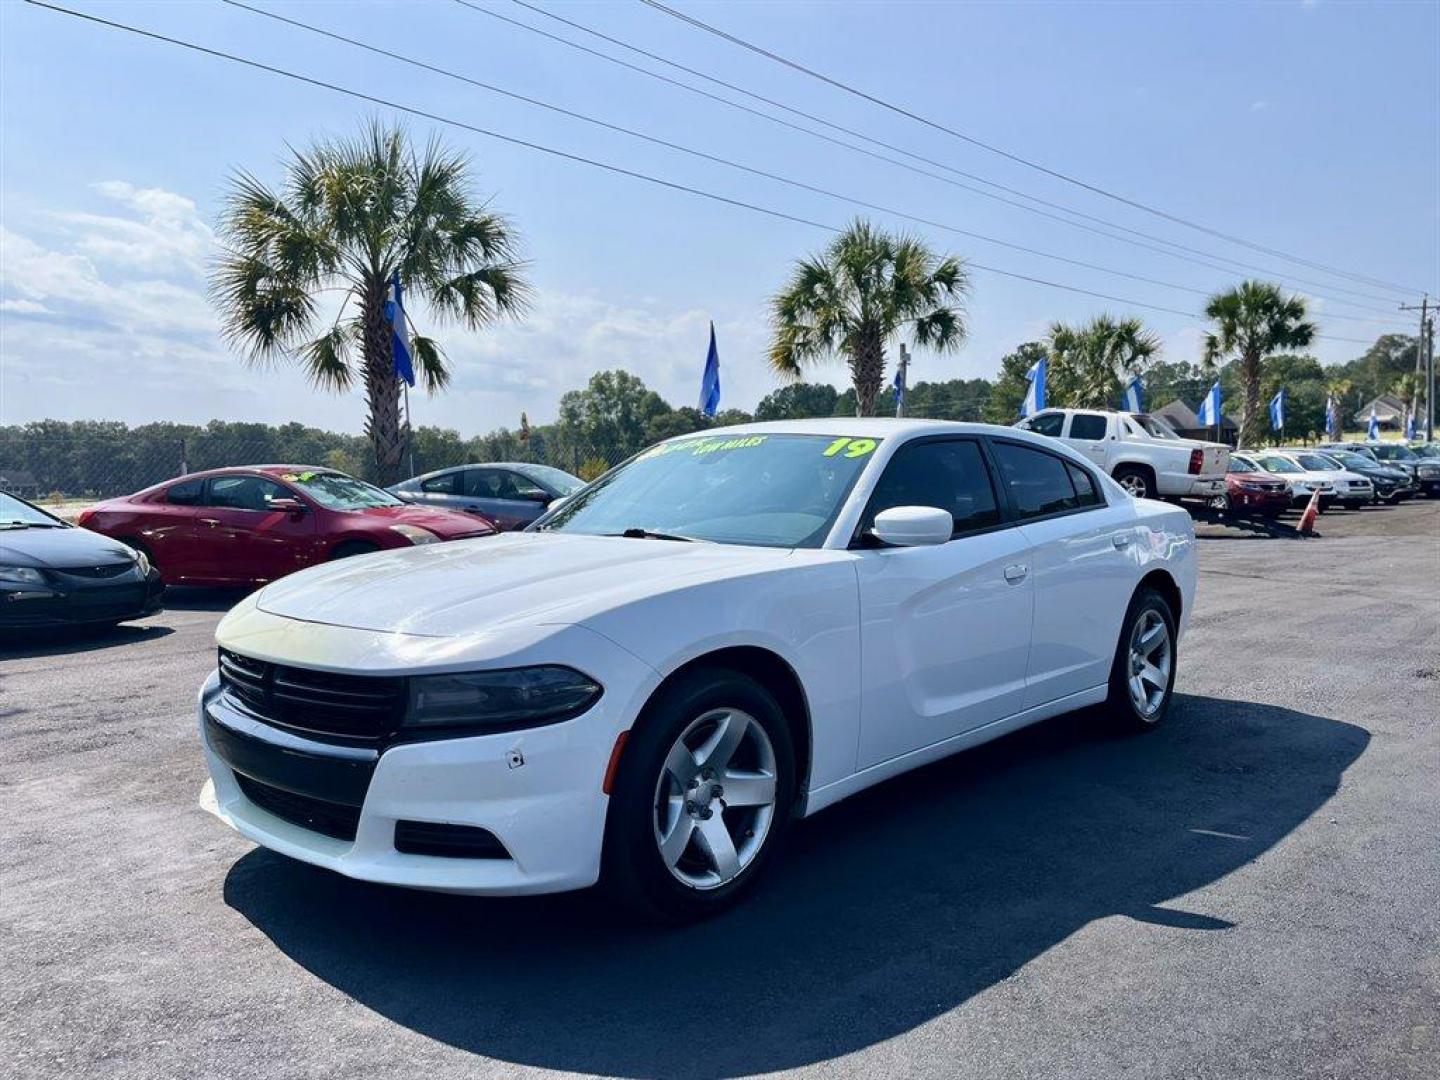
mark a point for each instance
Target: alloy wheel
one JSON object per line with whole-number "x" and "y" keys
{"x": 1150, "y": 660}
{"x": 1133, "y": 483}
{"x": 715, "y": 798}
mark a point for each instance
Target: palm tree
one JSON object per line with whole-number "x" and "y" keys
{"x": 1090, "y": 364}
{"x": 349, "y": 216}
{"x": 1252, "y": 322}
{"x": 858, "y": 295}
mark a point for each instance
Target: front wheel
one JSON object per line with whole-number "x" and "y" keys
{"x": 351, "y": 548}
{"x": 702, "y": 799}
{"x": 1142, "y": 678}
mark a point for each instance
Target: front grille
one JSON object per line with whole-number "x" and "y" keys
{"x": 98, "y": 572}
{"x": 317, "y": 815}
{"x": 447, "y": 841}
{"x": 354, "y": 709}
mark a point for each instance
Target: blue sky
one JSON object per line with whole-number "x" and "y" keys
{"x": 1312, "y": 128}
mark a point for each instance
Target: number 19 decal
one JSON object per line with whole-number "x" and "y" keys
{"x": 851, "y": 447}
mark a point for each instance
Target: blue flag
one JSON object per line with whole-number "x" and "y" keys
{"x": 399, "y": 332}
{"x": 1035, "y": 396}
{"x": 1332, "y": 418}
{"x": 899, "y": 385}
{"x": 710, "y": 381}
{"x": 1277, "y": 411}
{"x": 1209, "y": 414}
{"x": 1133, "y": 400}
{"x": 1410, "y": 426}
{"x": 1372, "y": 433}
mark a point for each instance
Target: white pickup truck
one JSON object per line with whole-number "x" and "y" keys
{"x": 1140, "y": 451}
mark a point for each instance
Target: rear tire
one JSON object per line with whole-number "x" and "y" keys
{"x": 702, "y": 799}
{"x": 1138, "y": 482}
{"x": 1142, "y": 677}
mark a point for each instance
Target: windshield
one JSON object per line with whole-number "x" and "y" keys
{"x": 557, "y": 480}
{"x": 766, "y": 490}
{"x": 1278, "y": 465}
{"x": 1154, "y": 426}
{"x": 1392, "y": 453}
{"x": 1430, "y": 450}
{"x": 336, "y": 491}
{"x": 18, "y": 514}
{"x": 1349, "y": 460}
{"x": 1317, "y": 462}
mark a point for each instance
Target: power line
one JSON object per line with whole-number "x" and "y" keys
{"x": 573, "y": 114}
{"x": 1027, "y": 162}
{"x": 1203, "y": 261}
{"x": 566, "y": 155}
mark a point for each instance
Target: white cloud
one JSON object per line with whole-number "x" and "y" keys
{"x": 1259, "y": 106}
{"x": 24, "y": 307}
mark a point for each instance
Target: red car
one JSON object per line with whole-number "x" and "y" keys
{"x": 1249, "y": 492}
{"x": 246, "y": 526}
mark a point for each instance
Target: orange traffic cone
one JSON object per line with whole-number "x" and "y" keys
{"x": 1312, "y": 510}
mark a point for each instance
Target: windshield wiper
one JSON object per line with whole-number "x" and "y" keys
{"x": 651, "y": 534}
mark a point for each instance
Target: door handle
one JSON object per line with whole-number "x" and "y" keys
{"x": 212, "y": 522}
{"x": 1016, "y": 572}
{"x": 1121, "y": 540}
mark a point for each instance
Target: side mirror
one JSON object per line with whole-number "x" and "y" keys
{"x": 287, "y": 506}
{"x": 913, "y": 526}
{"x": 555, "y": 504}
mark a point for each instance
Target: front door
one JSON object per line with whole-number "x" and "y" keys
{"x": 241, "y": 540}
{"x": 945, "y": 629}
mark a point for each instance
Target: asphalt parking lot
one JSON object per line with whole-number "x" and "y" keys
{"x": 1252, "y": 891}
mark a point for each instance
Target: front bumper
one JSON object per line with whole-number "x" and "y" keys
{"x": 70, "y": 600}
{"x": 537, "y": 791}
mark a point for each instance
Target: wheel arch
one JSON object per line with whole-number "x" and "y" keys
{"x": 774, "y": 673}
{"x": 1136, "y": 466}
{"x": 1163, "y": 583}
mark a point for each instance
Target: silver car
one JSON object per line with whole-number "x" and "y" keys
{"x": 511, "y": 494}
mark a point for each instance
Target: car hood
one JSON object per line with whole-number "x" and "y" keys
{"x": 443, "y": 523}
{"x": 60, "y": 548}
{"x": 451, "y": 590}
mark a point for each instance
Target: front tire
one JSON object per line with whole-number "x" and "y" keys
{"x": 1142, "y": 677}
{"x": 702, "y": 799}
{"x": 353, "y": 547}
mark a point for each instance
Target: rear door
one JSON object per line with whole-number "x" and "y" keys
{"x": 167, "y": 529}
{"x": 945, "y": 629}
{"x": 1081, "y": 558}
{"x": 1090, "y": 433}
{"x": 241, "y": 539}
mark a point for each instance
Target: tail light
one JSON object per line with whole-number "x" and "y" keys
{"x": 85, "y": 517}
{"x": 1197, "y": 460}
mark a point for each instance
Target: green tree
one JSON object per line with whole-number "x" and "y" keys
{"x": 609, "y": 419}
{"x": 349, "y": 216}
{"x": 1251, "y": 323}
{"x": 1090, "y": 364}
{"x": 798, "y": 401}
{"x": 1003, "y": 406}
{"x": 865, "y": 290}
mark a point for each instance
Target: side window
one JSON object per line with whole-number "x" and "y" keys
{"x": 525, "y": 488}
{"x": 947, "y": 474}
{"x": 185, "y": 493}
{"x": 244, "y": 493}
{"x": 1091, "y": 426}
{"x": 484, "y": 483}
{"x": 1038, "y": 483}
{"x": 1085, "y": 490}
{"x": 441, "y": 485}
{"x": 1048, "y": 423}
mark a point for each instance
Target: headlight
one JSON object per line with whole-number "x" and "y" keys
{"x": 21, "y": 575}
{"x": 499, "y": 700}
{"x": 415, "y": 534}
{"x": 142, "y": 564}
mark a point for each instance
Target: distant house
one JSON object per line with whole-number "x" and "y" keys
{"x": 1186, "y": 424}
{"x": 18, "y": 482}
{"x": 1389, "y": 411}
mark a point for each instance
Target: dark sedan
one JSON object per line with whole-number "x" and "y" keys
{"x": 511, "y": 494}
{"x": 54, "y": 574}
{"x": 1391, "y": 485}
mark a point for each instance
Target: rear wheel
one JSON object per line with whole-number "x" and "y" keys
{"x": 1142, "y": 678}
{"x": 1138, "y": 482}
{"x": 702, "y": 799}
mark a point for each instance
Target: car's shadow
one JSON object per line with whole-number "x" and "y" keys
{"x": 62, "y": 641}
{"x": 888, "y": 910}
{"x": 191, "y": 598}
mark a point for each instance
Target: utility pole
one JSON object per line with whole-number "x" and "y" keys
{"x": 1425, "y": 360}
{"x": 904, "y": 381}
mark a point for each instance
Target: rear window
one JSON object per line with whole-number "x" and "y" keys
{"x": 1039, "y": 483}
{"x": 1088, "y": 426}
{"x": 185, "y": 493}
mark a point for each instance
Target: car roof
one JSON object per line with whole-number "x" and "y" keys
{"x": 236, "y": 470}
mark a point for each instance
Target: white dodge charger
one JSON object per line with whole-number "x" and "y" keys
{"x": 727, "y": 632}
